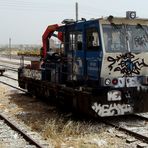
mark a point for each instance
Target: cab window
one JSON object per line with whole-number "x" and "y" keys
{"x": 75, "y": 41}
{"x": 92, "y": 38}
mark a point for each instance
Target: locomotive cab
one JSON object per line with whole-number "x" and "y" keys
{"x": 84, "y": 52}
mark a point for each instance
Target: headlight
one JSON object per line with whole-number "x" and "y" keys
{"x": 107, "y": 82}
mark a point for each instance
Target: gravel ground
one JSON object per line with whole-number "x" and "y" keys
{"x": 59, "y": 129}
{"x": 11, "y": 139}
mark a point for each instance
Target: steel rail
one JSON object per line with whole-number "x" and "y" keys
{"x": 141, "y": 117}
{"x": 134, "y": 134}
{"x": 12, "y": 62}
{"x": 9, "y": 77}
{"x": 17, "y": 129}
{"x": 10, "y": 68}
{"x": 14, "y": 87}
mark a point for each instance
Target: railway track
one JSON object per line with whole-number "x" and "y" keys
{"x": 138, "y": 131}
{"x": 27, "y": 137}
{"x": 138, "y": 128}
{"x": 10, "y": 62}
{"x": 4, "y": 75}
{"x": 7, "y": 78}
{"x": 12, "y": 86}
{"x": 120, "y": 124}
{"x": 9, "y": 68}
{"x": 134, "y": 125}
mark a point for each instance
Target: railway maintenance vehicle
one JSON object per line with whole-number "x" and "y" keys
{"x": 100, "y": 69}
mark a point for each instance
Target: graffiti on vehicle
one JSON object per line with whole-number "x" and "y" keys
{"x": 111, "y": 109}
{"x": 140, "y": 40}
{"x": 127, "y": 64}
{"x": 114, "y": 95}
{"x": 35, "y": 74}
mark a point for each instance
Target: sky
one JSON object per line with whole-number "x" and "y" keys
{"x": 24, "y": 21}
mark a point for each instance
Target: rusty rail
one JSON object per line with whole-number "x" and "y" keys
{"x": 17, "y": 129}
{"x": 14, "y": 87}
{"x": 9, "y": 68}
{"x": 132, "y": 133}
{"x": 10, "y": 77}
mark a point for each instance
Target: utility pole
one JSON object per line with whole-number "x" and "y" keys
{"x": 76, "y": 6}
{"x": 10, "y": 46}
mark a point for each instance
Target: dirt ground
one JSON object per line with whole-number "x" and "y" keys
{"x": 60, "y": 129}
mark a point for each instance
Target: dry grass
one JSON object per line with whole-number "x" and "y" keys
{"x": 12, "y": 51}
{"x": 2, "y": 91}
{"x": 72, "y": 133}
{"x": 2, "y": 145}
{"x": 59, "y": 130}
{"x": 29, "y": 53}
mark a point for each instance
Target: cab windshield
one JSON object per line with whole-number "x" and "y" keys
{"x": 123, "y": 38}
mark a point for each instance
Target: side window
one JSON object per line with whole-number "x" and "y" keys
{"x": 72, "y": 39}
{"x": 79, "y": 41}
{"x": 92, "y": 39}
{"x": 75, "y": 41}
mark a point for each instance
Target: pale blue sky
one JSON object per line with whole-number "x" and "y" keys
{"x": 24, "y": 21}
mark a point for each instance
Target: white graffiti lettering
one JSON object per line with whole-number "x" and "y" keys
{"x": 114, "y": 95}
{"x": 111, "y": 109}
{"x": 35, "y": 74}
{"x": 132, "y": 82}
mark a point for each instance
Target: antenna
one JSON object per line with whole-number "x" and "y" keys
{"x": 76, "y": 11}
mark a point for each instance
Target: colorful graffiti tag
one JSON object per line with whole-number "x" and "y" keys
{"x": 127, "y": 64}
